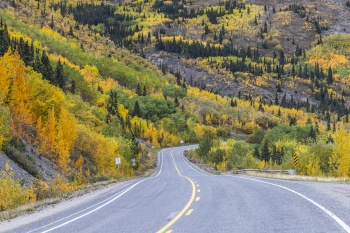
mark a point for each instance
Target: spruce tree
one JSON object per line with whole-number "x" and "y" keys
{"x": 176, "y": 101}
{"x": 232, "y": 103}
{"x": 312, "y": 133}
{"x": 276, "y": 99}
{"x": 46, "y": 69}
{"x": 138, "y": 90}
{"x": 330, "y": 76}
{"x": 4, "y": 40}
{"x": 112, "y": 103}
{"x": 265, "y": 153}
{"x": 274, "y": 156}
{"x": 137, "y": 110}
{"x": 256, "y": 152}
{"x": 328, "y": 119}
{"x": 59, "y": 76}
{"x": 265, "y": 27}
{"x": 284, "y": 102}
{"x": 73, "y": 87}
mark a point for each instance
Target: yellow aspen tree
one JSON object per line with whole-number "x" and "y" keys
{"x": 39, "y": 134}
{"x": 65, "y": 138}
{"x": 20, "y": 92}
{"x": 4, "y": 75}
{"x": 341, "y": 153}
{"x": 50, "y": 134}
{"x": 123, "y": 112}
{"x": 15, "y": 90}
{"x": 60, "y": 145}
{"x": 79, "y": 164}
{"x": 4, "y": 124}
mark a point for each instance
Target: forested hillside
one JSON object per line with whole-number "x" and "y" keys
{"x": 84, "y": 82}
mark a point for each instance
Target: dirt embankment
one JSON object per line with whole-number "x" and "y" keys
{"x": 47, "y": 169}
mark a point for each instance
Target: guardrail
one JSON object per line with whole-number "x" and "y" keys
{"x": 286, "y": 172}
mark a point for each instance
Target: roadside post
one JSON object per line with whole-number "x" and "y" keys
{"x": 295, "y": 161}
{"x": 117, "y": 161}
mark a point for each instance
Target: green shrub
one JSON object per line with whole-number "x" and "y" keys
{"x": 256, "y": 137}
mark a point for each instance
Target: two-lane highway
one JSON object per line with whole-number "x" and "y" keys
{"x": 179, "y": 197}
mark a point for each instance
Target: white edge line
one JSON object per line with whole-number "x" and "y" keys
{"x": 190, "y": 165}
{"x": 119, "y": 194}
{"x": 324, "y": 209}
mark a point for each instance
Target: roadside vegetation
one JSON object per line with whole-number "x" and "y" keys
{"x": 76, "y": 89}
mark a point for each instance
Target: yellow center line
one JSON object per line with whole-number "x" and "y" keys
{"x": 198, "y": 198}
{"x": 189, "y": 212}
{"x": 179, "y": 215}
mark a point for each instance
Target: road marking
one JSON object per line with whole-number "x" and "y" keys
{"x": 198, "y": 190}
{"x": 113, "y": 198}
{"x": 197, "y": 185}
{"x": 324, "y": 209}
{"x": 198, "y": 198}
{"x": 189, "y": 212}
{"x": 169, "y": 231}
{"x": 188, "y": 203}
{"x": 188, "y": 164}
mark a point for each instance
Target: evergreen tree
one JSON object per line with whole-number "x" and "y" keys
{"x": 274, "y": 156}
{"x": 4, "y": 40}
{"x": 176, "y": 101}
{"x": 265, "y": 27}
{"x": 292, "y": 121}
{"x": 276, "y": 99}
{"x": 281, "y": 154}
{"x": 46, "y": 69}
{"x": 330, "y": 76}
{"x": 328, "y": 119}
{"x": 73, "y": 87}
{"x": 52, "y": 23}
{"x": 59, "y": 76}
{"x": 138, "y": 90}
{"x": 112, "y": 103}
{"x": 312, "y": 133}
{"x": 256, "y": 152}
{"x": 137, "y": 110}
{"x": 265, "y": 153}
{"x": 284, "y": 102}
{"x": 232, "y": 103}
{"x": 144, "y": 93}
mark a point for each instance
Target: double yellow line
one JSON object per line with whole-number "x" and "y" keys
{"x": 179, "y": 215}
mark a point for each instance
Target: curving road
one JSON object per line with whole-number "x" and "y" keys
{"x": 179, "y": 197}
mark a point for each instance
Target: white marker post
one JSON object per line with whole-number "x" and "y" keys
{"x": 118, "y": 162}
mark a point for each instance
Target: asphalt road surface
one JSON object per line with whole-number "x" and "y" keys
{"x": 179, "y": 197}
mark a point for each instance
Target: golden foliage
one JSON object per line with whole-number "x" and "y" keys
{"x": 340, "y": 160}
{"x": 12, "y": 194}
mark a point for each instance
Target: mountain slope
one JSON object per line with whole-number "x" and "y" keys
{"x": 78, "y": 90}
